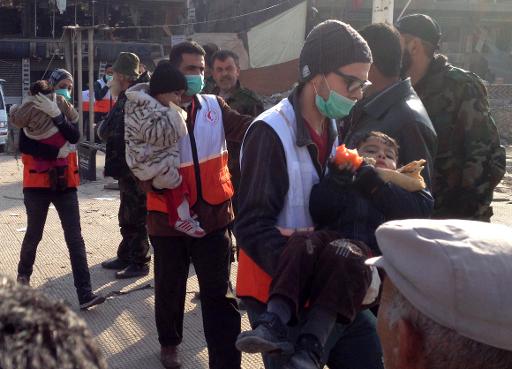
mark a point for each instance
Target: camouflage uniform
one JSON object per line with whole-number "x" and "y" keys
{"x": 470, "y": 161}
{"x": 245, "y": 102}
{"x": 134, "y": 246}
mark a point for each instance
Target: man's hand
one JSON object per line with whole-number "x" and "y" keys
{"x": 47, "y": 106}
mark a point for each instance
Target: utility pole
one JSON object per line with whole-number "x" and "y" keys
{"x": 86, "y": 150}
{"x": 91, "y": 84}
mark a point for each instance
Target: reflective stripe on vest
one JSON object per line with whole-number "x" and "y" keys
{"x": 212, "y": 156}
{"x": 33, "y": 179}
{"x": 302, "y": 176}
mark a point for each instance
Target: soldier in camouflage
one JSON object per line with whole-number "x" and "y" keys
{"x": 225, "y": 71}
{"x": 470, "y": 161}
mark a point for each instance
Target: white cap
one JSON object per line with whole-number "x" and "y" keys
{"x": 456, "y": 272}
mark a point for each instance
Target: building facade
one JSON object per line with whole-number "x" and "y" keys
{"x": 31, "y": 34}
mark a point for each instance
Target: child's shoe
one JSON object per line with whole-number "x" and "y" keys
{"x": 269, "y": 335}
{"x": 190, "y": 227}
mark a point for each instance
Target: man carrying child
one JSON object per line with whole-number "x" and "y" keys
{"x": 298, "y": 135}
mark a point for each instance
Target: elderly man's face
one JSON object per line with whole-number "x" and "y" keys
{"x": 225, "y": 73}
{"x": 402, "y": 345}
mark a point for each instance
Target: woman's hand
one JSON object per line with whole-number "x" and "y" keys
{"x": 47, "y": 106}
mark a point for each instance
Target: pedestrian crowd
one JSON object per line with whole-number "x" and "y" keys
{"x": 360, "y": 205}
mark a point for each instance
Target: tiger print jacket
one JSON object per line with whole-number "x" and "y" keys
{"x": 152, "y": 132}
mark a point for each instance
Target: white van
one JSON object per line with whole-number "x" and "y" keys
{"x": 3, "y": 118}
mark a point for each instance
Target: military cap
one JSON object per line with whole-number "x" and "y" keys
{"x": 127, "y": 64}
{"x": 456, "y": 272}
{"x": 421, "y": 26}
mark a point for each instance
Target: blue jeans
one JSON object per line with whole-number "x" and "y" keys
{"x": 352, "y": 346}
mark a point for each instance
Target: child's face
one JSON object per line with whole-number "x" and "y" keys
{"x": 376, "y": 148}
{"x": 168, "y": 97}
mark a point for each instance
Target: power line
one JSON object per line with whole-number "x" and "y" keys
{"x": 202, "y": 22}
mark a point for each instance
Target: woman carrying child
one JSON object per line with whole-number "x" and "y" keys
{"x": 50, "y": 176}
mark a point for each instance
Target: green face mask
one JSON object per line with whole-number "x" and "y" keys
{"x": 195, "y": 84}
{"x": 336, "y": 106}
{"x": 64, "y": 92}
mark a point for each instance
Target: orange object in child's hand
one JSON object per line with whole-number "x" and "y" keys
{"x": 347, "y": 156}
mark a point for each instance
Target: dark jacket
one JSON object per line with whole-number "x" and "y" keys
{"x": 264, "y": 185}
{"x": 399, "y": 113}
{"x": 111, "y": 131}
{"x": 356, "y": 209}
{"x": 245, "y": 102}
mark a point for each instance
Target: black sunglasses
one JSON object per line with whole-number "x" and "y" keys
{"x": 353, "y": 83}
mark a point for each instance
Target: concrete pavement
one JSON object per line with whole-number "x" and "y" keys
{"x": 124, "y": 325}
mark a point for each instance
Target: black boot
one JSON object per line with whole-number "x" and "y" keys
{"x": 133, "y": 270}
{"x": 115, "y": 264}
{"x": 308, "y": 353}
{"x": 269, "y": 335}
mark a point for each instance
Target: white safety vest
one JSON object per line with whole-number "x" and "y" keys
{"x": 103, "y": 84}
{"x": 208, "y": 133}
{"x": 302, "y": 174}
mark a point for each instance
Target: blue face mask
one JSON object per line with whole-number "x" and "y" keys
{"x": 64, "y": 92}
{"x": 108, "y": 77}
{"x": 335, "y": 107}
{"x": 195, "y": 84}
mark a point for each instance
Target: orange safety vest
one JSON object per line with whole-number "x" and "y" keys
{"x": 212, "y": 155}
{"x": 33, "y": 179}
{"x": 102, "y": 106}
{"x": 251, "y": 280}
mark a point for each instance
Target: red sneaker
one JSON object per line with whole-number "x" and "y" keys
{"x": 190, "y": 227}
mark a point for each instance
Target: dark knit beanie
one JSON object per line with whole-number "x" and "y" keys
{"x": 59, "y": 75}
{"x": 330, "y": 45}
{"x": 421, "y": 26}
{"x": 166, "y": 78}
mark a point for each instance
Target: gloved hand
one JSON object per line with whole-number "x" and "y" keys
{"x": 367, "y": 179}
{"x": 64, "y": 151}
{"x": 47, "y": 106}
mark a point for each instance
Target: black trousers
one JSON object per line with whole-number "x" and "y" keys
{"x": 221, "y": 319}
{"x": 66, "y": 204}
{"x": 134, "y": 247}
